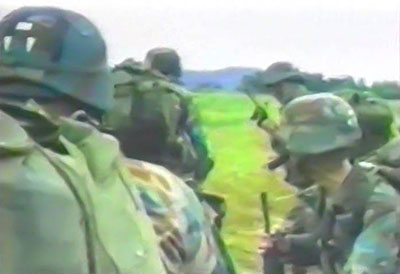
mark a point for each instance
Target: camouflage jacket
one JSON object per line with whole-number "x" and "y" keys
{"x": 387, "y": 161}
{"x": 64, "y": 203}
{"x": 358, "y": 229}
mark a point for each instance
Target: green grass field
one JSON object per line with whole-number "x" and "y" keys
{"x": 240, "y": 150}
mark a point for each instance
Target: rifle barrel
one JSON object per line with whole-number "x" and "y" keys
{"x": 265, "y": 209}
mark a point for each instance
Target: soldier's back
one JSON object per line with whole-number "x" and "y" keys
{"x": 67, "y": 207}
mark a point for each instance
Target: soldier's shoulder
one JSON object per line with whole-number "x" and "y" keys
{"x": 155, "y": 175}
{"x": 164, "y": 182}
{"x": 390, "y": 153}
{"x": 13, "y": 138}
{"x": 175, "y": 88}
{"x": 384, "y": 197}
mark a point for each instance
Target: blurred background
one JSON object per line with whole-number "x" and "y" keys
{"x": 334, "y": 37}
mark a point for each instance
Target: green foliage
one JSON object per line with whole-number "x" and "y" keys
{"x": 386, "y": 90}
{"x": 240, "y": 150}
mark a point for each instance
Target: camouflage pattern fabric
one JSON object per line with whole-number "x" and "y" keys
{"x": 358, "y": 223}
{"x": 152, "y": 118}
{"x": 387, "y": 161}
{"x": 319, "y": 123}
{"x": 66, "y": 205}
{"x": 184, "y": 230}
{"x": 359, "y": 228}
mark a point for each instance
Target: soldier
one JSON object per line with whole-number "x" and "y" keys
{"x": 166, "y": 61}
{"x": 284, "y": 82}
{"x": 151, "y": 120}
{"x": 70, "y": 206}
{"x": 155, "y": 121}
{"x": 66, "y": 206}
{"x": 375, "y": 118}
{"x": 358, "y": 211}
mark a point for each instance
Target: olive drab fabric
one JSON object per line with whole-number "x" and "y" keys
{"x": 152, "y": 120}
{"x": 69, "y": 209}
{"x": 319, "y": 123}
{"x": 33, "y": 191}
{"x": 57, "y": 48}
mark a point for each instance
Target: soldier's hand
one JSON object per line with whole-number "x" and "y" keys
{"x": 266, "y": 243}
{"x": 172, "y": 245}
{"x": 278, "y": 244}
{"x": 392, "y": 175}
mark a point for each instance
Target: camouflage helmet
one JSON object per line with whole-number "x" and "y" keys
{"x": 373, "y": 113}
{"x": 56, "y": 48}
{"x": 375, "y": 117}
{"x": 164, "y": 60}
{"x": 319, "y": 123}
{"x": 281, "y": 71}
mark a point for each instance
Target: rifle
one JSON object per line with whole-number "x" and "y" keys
{"x": 260, "y": 114}
{"x": 265, "y": 210}
{"x": 271, "y": 260}
{"x": 282, "y": 159}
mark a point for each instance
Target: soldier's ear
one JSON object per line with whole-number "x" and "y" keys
{"x": 355, "y": 98}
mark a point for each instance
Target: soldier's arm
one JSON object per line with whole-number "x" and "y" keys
{"x": 299, "y": 237}
{"x": 200, "y": 145}
{"x": 303, "y": 250}
{"x": 376, "y": 248}
{"x": 297, "y": 249}
{"x": 304, "y": 228}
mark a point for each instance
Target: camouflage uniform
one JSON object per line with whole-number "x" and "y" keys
{"x": 387, "y": 161}
{"x": 359, "y": 223}
{"x": 65, "y": 205}
{"x": 185, "y": 232}
{"x": 155, "y": 121}
{"x": 376, "y": 121}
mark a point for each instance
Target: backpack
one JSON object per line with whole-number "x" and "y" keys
{"x": 152, "y": 120}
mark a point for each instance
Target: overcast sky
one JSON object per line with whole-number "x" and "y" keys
{"x": 335, "y": 37}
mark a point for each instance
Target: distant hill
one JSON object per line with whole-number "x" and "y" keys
{"x": 226, "y": 79}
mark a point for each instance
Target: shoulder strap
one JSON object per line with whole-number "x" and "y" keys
{"x": 13, "y": 138}
{"x": 93, "y": 246}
